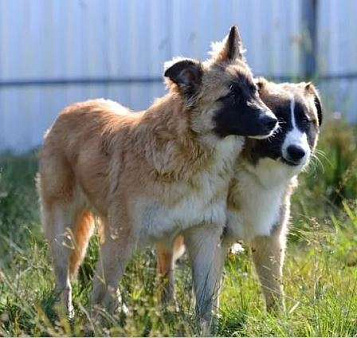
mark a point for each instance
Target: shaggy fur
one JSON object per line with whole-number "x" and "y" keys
{"x": 150, "y": 175}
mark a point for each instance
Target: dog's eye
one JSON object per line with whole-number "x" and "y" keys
{"x": 305, "y": 119}
{"x": 229, "y": 96}
{"x": 301, "y": 115}
{"x": 253, "y": 89}
{"x": 222, "y": 98}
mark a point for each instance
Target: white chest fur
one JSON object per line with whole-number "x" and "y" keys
{"x": 205, "y": 204}
{"x": 259, "y": 196}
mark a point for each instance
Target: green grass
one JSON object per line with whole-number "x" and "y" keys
{"x": 320, "y": 275}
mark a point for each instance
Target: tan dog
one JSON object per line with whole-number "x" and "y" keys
{"x": 150, "y": 175}
{"x": 260, "y": 191}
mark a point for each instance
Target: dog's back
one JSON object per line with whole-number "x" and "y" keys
{"x": 76, "y": 150}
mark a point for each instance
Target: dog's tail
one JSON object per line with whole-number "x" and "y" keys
{"x": 82, "y": 233}
{"x": 167, "y": 256}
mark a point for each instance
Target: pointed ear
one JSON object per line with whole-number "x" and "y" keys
{"x": 311, "y": 90}
{"x": 230, "y": 49}
{"x": 186, "y": 74}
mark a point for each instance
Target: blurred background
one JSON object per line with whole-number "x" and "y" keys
{"x": 56, "y": 52}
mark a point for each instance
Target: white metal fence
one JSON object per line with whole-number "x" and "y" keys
{"x": 55, "y": 52}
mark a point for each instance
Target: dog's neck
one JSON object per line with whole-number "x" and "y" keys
{"x": 170, "y": 118}
{"x": 168, "y": 131}
{"x": 267, "y": 172}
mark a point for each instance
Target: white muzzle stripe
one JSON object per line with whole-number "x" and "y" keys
{"x": 295, "y": 137}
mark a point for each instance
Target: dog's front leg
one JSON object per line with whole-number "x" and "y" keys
{"x": 119, "y": 243}
{"x": 204, "y": 248}
{"x": 268, "y": 256}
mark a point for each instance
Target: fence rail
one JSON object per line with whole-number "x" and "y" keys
{"x": 148, "y": 80}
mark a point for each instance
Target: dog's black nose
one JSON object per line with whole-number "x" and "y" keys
{"x": 269, "y": 122}
{"x": 296, "y": 153}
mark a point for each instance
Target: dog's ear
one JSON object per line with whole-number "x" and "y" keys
{"x": 310, "y": 89}
{"x": 230, "y": 49}
{"x": 186, "y": 74}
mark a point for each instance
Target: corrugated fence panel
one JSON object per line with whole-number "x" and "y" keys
{"x": 337, "y": 55}
{"x": 74, "y": 39}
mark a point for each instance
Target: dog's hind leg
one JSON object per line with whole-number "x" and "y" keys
{"x": 59, "y": 223}
{"x": 166, "y": 259}
{"x": 63, "y": 218}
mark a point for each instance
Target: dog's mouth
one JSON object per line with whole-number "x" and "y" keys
{"x": 269, "y": 133}
{"x": 264, "y": 136}
{"x": 260, "y": 133}
{"x": 291, "y": 162}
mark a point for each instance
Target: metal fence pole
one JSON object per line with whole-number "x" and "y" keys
{"x": 309, "y": 45}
